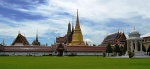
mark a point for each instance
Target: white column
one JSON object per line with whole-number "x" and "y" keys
{"x": 135, "y": 45}
{"x": 141, "y": 45}
{"x": 131, "y": 45}
{"x": 127, "y": 45}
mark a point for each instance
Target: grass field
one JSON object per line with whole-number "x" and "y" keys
{"x": 78, "y": 62}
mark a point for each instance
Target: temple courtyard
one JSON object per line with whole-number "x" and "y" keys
{"x": 72, "y": 62}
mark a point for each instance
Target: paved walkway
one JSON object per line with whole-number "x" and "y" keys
{"x": 128, "y": 57}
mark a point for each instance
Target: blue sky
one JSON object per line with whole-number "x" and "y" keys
{"x": 98, "y": 18}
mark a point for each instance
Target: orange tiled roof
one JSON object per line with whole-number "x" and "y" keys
{"x": 60, "y": 39}
{"x": 86, "y": 48}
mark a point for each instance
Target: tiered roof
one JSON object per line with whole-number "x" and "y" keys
{"x": 117, "y": 35}
{"x": 115, "y": 38}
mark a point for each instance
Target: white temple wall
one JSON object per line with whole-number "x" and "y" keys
{"x": 85, "y": 53}
{"x": 51, "y": 53}
{"x": 25, "y": 53}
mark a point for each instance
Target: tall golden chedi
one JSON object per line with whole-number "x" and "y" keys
{"x": 77, "y": 38}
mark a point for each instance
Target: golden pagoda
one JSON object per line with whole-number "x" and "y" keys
{"x": 77, "y": 38}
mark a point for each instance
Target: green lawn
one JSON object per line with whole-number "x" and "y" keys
{"x": 78, "y": 62}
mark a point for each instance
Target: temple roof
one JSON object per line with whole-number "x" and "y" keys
{"x": 134, "y": 34}
{"x": 112, "y": 36}
{"x": 20, "y": 39}
{"x": 60, "y": 39}
{"x": 86, "y": 48}
{"x": 115, "y": 38}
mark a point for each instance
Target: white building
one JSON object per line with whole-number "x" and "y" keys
{"x": 132, "y": 43}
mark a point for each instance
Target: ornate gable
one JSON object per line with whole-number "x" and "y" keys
{"x": 122, "y": 37}
{"x": 20, "y": 39}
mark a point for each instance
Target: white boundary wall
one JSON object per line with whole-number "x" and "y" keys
{"x": 25, "y": 53}
{"x": 85, "y": 53}
{"x": 51, "y": 53}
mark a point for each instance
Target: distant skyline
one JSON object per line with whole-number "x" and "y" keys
{"x": 98, "y": 18}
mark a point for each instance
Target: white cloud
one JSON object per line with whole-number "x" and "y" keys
{"x": 146, "y": 35}
{"x": 93, "y": 14}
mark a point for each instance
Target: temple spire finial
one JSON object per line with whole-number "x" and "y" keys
{"x": 19, "y": 32}
{"x": 77, "y": 13}
{"x": 72, "y": 27}
{"x": 37, "y": 35}
{"x": 55, "y": 40}
{"x": 69, "y": 28}
{"x": 134, "y": 28}
{"x": 77, "y": 18}
{"x": 3, "y": 42}
{"x": 77, "y": 27}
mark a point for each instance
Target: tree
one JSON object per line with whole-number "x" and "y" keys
{"x": 117, "y": 49}
{"x": 125, "y": 48}
{"x": 148, "y": 51}
{"x": 131, "y": 54}
{"x": 94, "y": 45}
{"x": 143, "y": 47}
{"x": 108, "y": 49}
{"x": 104, "y": 54}
{"x": 121, "y": 50}
{"x": 0, "y": 47}
{"x": 139, "y": 46}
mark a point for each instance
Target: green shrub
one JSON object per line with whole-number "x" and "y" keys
{"x": 114, "y": 54}
{"x": 104, "y": 54}
{"x": 131, "y": 54}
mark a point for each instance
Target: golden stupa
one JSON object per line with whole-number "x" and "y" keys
{"x": 77, "y": 38}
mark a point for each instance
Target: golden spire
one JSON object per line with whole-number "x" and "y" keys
{"x": 77, "y": 22}
{"x": 77, "y": 38}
